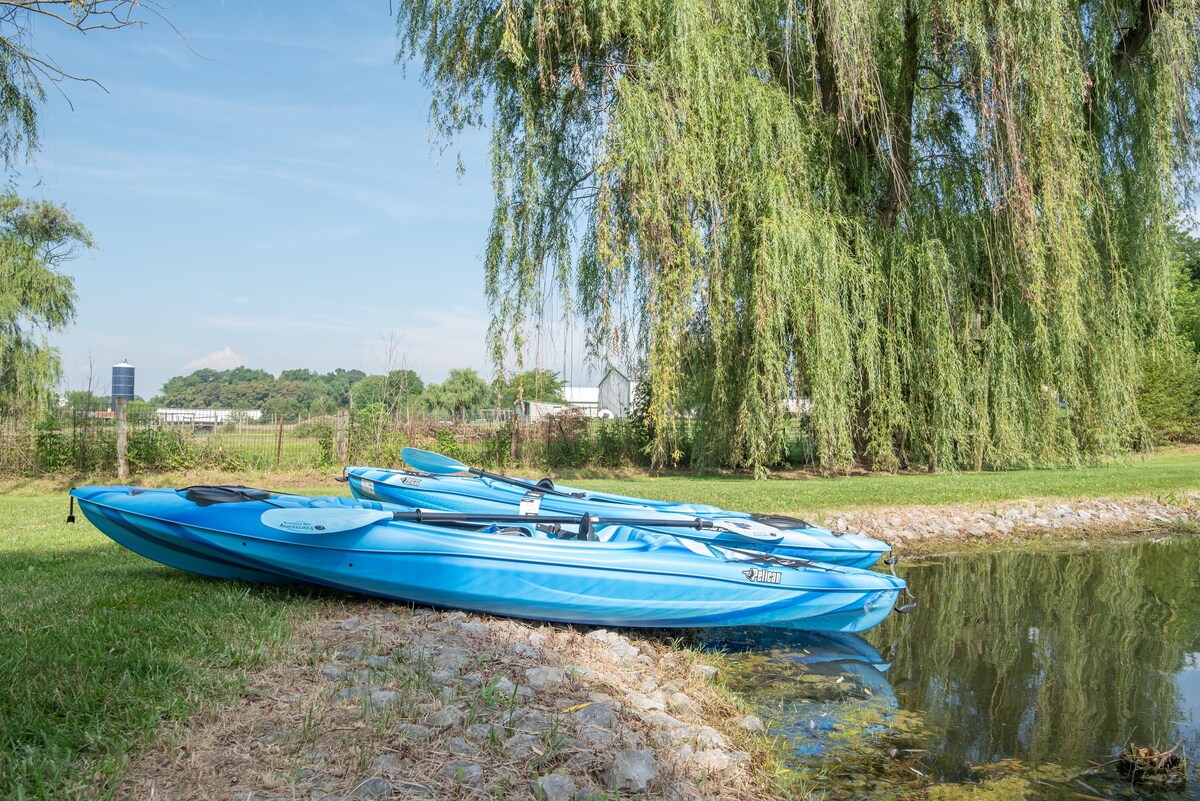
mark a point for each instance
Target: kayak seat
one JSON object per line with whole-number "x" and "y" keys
{"x": 545, "y": 483}
{"x": 631, "y": 534}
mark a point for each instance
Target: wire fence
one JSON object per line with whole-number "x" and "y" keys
{"x": 69, "y": 441}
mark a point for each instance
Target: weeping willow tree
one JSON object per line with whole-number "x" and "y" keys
{"x": 35, "y": 298}
{"x": 943, "y": 226}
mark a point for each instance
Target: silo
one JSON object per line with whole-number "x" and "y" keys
{"x": 122, "y": 382}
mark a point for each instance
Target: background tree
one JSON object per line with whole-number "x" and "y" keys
{"x": 534, "y": 385}
{"x": 398, "y": 392}
{"x": 944, "y": 223}
{"x": 460, "y": 396}
{"x": 36, "y": 238}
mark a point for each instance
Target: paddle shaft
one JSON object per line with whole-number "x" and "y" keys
{"x": 421, "y": 516}
{"x": 516, "y": 482}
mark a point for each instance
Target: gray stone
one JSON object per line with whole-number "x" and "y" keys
{"x": 416, "y": 788}
{"x": 478, "y": 629}
{"x": 372, "y": 790}
{"x": 349, "y": 651}
{"x": 388, "y": 764}
{"x": 708, "y": 738}
{"x": 444, "y": 678}
{"x": 380, "y": 662}
{"x": 453, "y": 660}
{"x": 543, "y": 678}
{"x": 503, "y": 687}
{"x": 354, "y": 693}
{"x": 460, "y": 747}
{"x": 522, "y": 649}
{"x": 632, "y": 771}
{"x": 383, "y": 697}
{"x": 520, "y": 746}
{"x": 713, "y": 759}
{"x": 530, "y": 721}
{"x": 751, "y": 723}
{"x": 554, "y": 787}
{"x": 333, "y": 672}
{"x": 445, "y": 718}
{"x": 682, "y": 704}
{"x": 597, "y": 714}
{"x": 707, "y": 672}
{"x": 461, "y": 771}
{"x": 646, "y": 702}
{"x": 484, "y": 732}
{"x": 594, "y": 735}
{"x": 471, "y": 681}
{"x": 349, "y": 624}
{"x": 578, "y": 672}
{"x": 414, "y": 732}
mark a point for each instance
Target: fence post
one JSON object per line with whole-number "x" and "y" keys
{"x": 122, "y": 438}
{"x": 340, "y": 436}
{"x": 279, "y": 442}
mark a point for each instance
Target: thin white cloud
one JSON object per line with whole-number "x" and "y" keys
{"x": 217, "y": 360}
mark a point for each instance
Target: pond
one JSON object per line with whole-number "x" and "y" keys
{"x": 1021, "y": 674}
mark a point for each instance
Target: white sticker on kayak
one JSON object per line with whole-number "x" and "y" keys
{"x": 367, "y": 486}
{"x": 321, "y": 521}
{"x": 763, "y": 576}
{"x": 531, "y": 505}
{"x": 749, "y": 529}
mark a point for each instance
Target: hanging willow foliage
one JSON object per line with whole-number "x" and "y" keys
{"x": 942, "y": 223}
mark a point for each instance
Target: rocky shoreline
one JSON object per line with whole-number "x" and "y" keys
{"x": 379, "y": 701}
{"x": 922, "y": 530}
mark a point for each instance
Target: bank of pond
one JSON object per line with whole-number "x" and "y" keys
{"x": 1021, "y": 675}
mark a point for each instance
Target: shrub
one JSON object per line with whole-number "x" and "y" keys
{"x": 1169, "y": 395}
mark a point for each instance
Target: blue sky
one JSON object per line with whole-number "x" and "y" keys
{"x": 262, "y": 191}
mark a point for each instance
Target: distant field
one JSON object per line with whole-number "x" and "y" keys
{"x": 1155, "y": 475}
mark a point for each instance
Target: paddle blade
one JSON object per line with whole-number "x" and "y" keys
{"x": 430, "y": 462}
{"x": 322, "y": 521}
{"x": 749, "y": 530}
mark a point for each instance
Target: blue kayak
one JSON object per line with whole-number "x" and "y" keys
{"x": 501, "y": 495}
{"x": 626, "y": 576}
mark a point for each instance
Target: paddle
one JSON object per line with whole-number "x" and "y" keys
{"x": 439, "y": 465}
{"x": 329, "y": 521}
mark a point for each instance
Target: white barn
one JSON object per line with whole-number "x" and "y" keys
{"x": 616, "y": 394}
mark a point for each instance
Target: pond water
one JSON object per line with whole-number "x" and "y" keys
{"x": 1019, "y": 675}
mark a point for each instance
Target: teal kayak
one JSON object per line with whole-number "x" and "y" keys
{"x": 478, "y": 491}
{"x": 624, "y": 576}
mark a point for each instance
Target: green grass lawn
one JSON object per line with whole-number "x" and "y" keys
{"x": 1155, "y": 475}
{"x": 99, "y": 645}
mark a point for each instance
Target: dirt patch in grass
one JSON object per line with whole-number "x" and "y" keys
{"x": 401, "y": 703}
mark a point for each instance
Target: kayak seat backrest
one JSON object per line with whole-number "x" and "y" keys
{"x": 209, "y": 495}
{"x": 632, "y": 534}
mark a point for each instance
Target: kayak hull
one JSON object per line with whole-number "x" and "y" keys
{"x": 636, "y": 579}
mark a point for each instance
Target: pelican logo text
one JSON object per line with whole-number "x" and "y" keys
{"x": 763, "y": 576}
{"x": 411, "y": 481}
{"x": 299, "y": 525}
